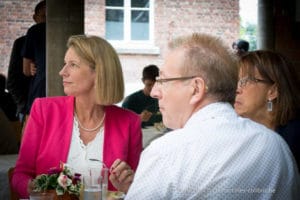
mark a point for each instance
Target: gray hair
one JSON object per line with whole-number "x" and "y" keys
{"x": 207, "y": 56}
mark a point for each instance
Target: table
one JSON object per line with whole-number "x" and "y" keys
{"x": 150, "y": 133}
{"x": 6, "y": 162}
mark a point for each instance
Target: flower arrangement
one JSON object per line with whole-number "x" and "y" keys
{"x": 60, "y": 179}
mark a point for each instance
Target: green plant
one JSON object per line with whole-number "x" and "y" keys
{"x": 60, "y": 179}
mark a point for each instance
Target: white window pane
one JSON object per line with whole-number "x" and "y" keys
{"x": 114, "y": 24}
{"x": 140, "y": 25}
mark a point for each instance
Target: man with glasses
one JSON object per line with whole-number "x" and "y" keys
{"x": 212, "y": 152}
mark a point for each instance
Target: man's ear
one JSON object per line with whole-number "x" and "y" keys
{"x": 272, "y": 92}
{"x": 199, "y": 89}
{"x": 34, "y": 17}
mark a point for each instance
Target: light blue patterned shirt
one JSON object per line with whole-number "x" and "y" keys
{"x": 217, "y": 155}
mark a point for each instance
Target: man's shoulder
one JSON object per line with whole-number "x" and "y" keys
{"x": 36, "y": 30}
{"x": 37, "y": 26}
{"x": 135, "y": 94}
{"x": 20, "y": 39}
{"x": 132, "y": 99}
{"x": 258, "y": 129}
{"x": 261, "y": 139}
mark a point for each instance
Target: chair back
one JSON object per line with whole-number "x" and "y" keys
{"x": 8, "y": 139}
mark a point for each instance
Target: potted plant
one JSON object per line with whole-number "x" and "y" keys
{"x": 60, "y": 181}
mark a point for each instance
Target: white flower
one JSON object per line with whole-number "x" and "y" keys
{"x": 64, "y": 181}
{"x": 61, "y": 179}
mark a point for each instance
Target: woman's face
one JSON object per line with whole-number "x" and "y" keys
{"x": 252, "y": 97}
{"x": 78, "y": 77}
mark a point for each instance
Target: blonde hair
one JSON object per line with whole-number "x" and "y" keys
{"x": 102, "y": 58}
{"x": 207, "y": 56}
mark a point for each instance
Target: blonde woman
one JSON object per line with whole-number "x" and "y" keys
{"x": 84, "y": 125}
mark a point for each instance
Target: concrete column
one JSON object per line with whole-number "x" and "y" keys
{"x": 265, "y": 26}
{"x": 64, "y": 18}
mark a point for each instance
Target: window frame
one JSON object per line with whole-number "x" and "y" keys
{"x": 127, "y": 45}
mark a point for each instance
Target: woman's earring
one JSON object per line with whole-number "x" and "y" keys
{"x": 270, "y": 105}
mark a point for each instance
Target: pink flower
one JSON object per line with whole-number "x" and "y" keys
{"x": 61, "y": 179}
{"x": 54, "y": 170}
{"x": 64, "y": 181}
{"x": 76, "y": 179}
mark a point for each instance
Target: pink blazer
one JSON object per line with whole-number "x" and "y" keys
{"x": 48, "y": 132}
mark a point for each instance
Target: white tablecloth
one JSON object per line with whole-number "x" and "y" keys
{"x": 149, "y": 134}
{"x": 6, "y": 162}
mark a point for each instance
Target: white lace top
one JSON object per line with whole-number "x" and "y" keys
{"x": 82, "y": 156}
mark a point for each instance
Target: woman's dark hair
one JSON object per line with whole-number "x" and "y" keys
{"x": 278, "y": 70}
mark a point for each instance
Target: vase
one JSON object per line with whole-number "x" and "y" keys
{"x": 41, "y": 196}
{"x": 65, "y": 196}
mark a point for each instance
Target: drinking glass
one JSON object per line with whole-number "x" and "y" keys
{"x": 95, "y": 182}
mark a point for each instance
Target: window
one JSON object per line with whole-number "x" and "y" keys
{"x": 129, "y": 24}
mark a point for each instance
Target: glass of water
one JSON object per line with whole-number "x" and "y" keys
{"x": 95, "y": 182}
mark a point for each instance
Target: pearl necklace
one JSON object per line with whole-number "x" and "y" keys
{"x": 89, "y": 129}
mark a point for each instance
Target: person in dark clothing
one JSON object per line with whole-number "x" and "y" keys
{"x": 34, "y": 55}
{"x": 17, "y": 82}
{"x": 7, "y": 103}
{"x": 240, "y": 47}
{"x": 291, "y": 134}
{"x": 141, "y": 102}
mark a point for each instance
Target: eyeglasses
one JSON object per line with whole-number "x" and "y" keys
{"x": 160, "y": 81}
{"x": 244, "y": 81}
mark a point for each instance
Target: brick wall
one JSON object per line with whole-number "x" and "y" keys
{"x": 177, "y": 17}
{"x": 172, "y": 18}
{"x": 15, "y": 19}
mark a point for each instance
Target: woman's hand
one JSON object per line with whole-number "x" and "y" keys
{"x": 121, "y": 175}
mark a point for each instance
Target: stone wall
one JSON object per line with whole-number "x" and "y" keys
{"x": 15, "y": 19}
